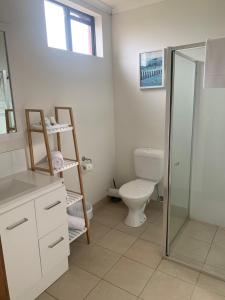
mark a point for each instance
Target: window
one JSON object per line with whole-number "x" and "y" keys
{"x": 69, "y": 29}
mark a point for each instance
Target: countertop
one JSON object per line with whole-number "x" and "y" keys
{"x": 39, "y": 185}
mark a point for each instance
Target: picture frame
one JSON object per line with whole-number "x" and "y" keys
{"x": 151, "y": 69}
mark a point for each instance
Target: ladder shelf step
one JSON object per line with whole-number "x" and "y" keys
{"x": 72, "y": 198}
{"x": 68, "y": 164}
{"x": 51, "y": 130}
{"x": 75, "y": 234}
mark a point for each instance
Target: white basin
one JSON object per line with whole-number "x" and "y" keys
{"x": 13, "y": 187}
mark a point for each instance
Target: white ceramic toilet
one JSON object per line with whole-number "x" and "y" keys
{"x": 135, "y": 194}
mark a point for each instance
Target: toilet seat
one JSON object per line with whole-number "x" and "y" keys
{"x": 137, "y": 189}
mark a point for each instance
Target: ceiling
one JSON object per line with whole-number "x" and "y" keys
{"x": 123, "y": 5}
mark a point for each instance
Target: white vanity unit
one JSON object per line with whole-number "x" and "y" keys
{"x": 34, "y": 232}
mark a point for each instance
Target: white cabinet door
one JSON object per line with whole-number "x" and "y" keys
{"x": 54, "y": 248}
{"x": 20, "y": 248}
{"x": 51, "y": 211}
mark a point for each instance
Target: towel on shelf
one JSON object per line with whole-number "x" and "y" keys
{"x": 57, "y": 159}
{"x": 76, "y": 223}
{"x": 215, "y": 64}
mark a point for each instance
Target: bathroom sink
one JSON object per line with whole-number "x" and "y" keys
{"x": 13, "y": 187}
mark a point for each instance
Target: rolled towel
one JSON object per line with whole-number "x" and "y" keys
{"x": 76, "y": 223}
{"x": 57, "y": 159}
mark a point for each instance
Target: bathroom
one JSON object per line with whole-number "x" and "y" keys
{"x": 114, "y": 117}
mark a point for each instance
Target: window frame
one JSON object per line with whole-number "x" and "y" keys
{"x": 84, "y": 19}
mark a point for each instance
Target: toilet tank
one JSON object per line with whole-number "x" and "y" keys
{"x": 148, "y": 164}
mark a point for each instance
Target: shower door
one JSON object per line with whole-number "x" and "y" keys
{"x": 182, "y": 106}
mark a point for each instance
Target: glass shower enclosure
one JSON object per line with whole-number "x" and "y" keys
{"x": 195, "y": 166}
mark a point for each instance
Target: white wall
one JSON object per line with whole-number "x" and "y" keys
{"x": 208, "y": 176}
{"x": 43, "y": 77}
{"x": 139, "y": 115}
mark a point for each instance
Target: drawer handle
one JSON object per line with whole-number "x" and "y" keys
{"x": 56, "y": 243}
{"x": 11, "y": 227}
{"x": 52, "y": 205}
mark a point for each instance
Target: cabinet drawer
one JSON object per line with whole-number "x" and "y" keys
{"x": 20, "y": 249}
{"x": 54, "y": 248}
{"x": 51, "y": 211}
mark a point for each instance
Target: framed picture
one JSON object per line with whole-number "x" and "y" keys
{"x": 152, "y": 70}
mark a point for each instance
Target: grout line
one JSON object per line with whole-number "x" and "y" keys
{"x": 51, "y": 295}
{"x": 147, "y": 282}
{"x": 116, "y": 286}
{"x": 210, "y": 247}
{"x": 93, "y": 289}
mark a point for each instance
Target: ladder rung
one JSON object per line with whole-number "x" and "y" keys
{"x": 68, "y": 164}
{"x": 73, "y": 197}
{"x": 75, "y": 234}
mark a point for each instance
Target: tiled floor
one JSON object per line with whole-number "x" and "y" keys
{"x": 203, "y": 245}
{"x": 125, "y": 264}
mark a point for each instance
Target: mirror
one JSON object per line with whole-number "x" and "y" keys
{"x": 7, "y": 113}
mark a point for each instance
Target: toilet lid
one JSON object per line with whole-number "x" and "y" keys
{"x": 136, "y": 189}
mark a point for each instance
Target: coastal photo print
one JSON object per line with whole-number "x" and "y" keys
{"x": 152, "y": 70}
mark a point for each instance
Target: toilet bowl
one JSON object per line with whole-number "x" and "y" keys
{"x": 136, "y": 194}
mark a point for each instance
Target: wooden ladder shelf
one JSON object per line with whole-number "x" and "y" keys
{"x": 72, "y": 197}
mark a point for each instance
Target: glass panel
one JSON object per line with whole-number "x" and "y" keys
{"x": 7, "y": 122}
{"x": 55, "y": 25}
{"x": 181, "y": 141}
{"x": 200, "y": 243}
{"x": 81, "y": 37}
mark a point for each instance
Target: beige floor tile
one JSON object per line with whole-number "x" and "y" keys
{"x": 97, "y": 232}
{"x": 216, "y": 271}
{"x": 153, "y": 233}
{"x": 200, "y": 294}
{"x": 155, "y": 204}
{"x": 135, "y": 231}
{"x": 106, "y": 291}
{"x": 176, "y": 225}
{"x": 179, "y": 271}
{"x": 191, "y": 248}
{"x": 145, "y": 252}
{"x": 111, "y": 216}
{"x": 45, "y": 296}
{"x": 154, "y": 215}
{"x": 188, "y": 261}
{"x": 200, "y": 231}
{"x": 76, "y": 283}
{"x": 166, "y": 287}
{"x": 212, "y": 284}
{"x": 117, "y": 241}
{"x": 216, "y": 256}
{"x": 129, "y": 275}
{"x": 93, "y": 258}
{"x": 220, "y": 237}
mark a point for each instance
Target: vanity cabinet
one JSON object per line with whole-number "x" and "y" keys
{"x": 35, "y": 241}
{"x": 20, "y": 248}
{"x": 4, "y": 293}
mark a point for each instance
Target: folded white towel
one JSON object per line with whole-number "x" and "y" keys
{"x": 76, "y": 223}
{"x": 57, "y": 159}
{"x": 215, "y": 64}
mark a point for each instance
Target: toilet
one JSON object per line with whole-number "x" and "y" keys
{"x": 135, "y": 194}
